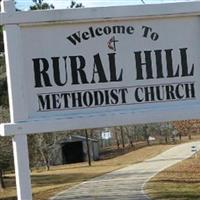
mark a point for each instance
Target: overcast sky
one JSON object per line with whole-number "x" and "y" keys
{"x": 61, "y": 4}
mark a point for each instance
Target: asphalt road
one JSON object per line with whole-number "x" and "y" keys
{"x": 127, "y": 183}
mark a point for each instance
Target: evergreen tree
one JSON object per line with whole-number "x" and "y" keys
{"x": 41, "y": 5}
{"x": 76, "y": 5}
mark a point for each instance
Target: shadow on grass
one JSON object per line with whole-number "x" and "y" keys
{"x": 9, "y": 180}
{"x": 185, "y": 181}
{"x": 55, "y": 179}
{"x": 8, "y": 198}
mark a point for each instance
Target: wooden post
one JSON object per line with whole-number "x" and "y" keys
{"x": 88, "y": 148}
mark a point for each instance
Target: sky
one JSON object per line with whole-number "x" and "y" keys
{"x": 62, "y": 4}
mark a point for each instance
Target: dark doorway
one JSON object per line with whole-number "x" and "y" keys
{"x": 72, "y": 152}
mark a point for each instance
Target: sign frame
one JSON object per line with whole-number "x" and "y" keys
{"x": 19, "y": 127}
{"x": 12, "y": 21}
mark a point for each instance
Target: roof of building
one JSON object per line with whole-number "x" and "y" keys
{"x": 75, "y": 138}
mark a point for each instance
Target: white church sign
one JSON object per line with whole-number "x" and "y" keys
{"x": 98, "y": 67}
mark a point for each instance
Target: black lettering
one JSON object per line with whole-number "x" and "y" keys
{"x": 76, "y": 99}
{"x": 87, "y": 99}
{"x": 66, "y": 99}
{"x": 56, "y": 101}
{"x": 107, "y": 102}
{"x": 178, "y": 91}
{"x": 170, "y": 92}
{"x": 98, "y": 69}
{"x": 107, "y": 30}
{"x": 123, "y": 94}
{"x": 149, "y": 94}
{"x": 169, "y": 61}
{"x": 190, "y": 90}
{"x": 98, "y": 98}
{"x": 130, "y": 30}
{"x": 98, "y": 31}
{"x": 44, "y": 102}
{"x": 159, "y": 66}
{"x": 74, "y": 38}
{"x": 114, "y": 96}
{"x": 147, "y": 63}
{"x": 146, "y": 30}
{"x": 78, "y": 70}
{"x": 154, "y": 36}
{"x": 137, "y": 96}
{"x": 160, "y": 96}
{"x": 113, "y": 73}
{"x": 91, "y": 31}
{"x": 118, "y": 29}
{"x": 85, "y": 35}
{"x": 41, "y": 74}
{"x": 184, "y": 63}
{"x": 56, "y": 71}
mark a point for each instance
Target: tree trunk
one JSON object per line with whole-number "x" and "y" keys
{"x": 166, "y": 139}
{"x": 146, "y": 136}
{"x": 47, "y": 166}
{"x": 101, "y": 141}
{"x": 2, "y": 185}
{"x": 88, "y": 148}
{"x": 179, "y": 135}
{"x": 45, "y": 160}
{"x": 130, "y": 137}
{"x": 117, "y": 140}
{"x": 122, "y": 136}
{"x": 148, "y": 143}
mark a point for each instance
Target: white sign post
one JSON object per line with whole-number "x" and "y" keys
{"x": 98, "y": 67}
{"x": 22, "y": 171}
{"x": 20, "y": 147}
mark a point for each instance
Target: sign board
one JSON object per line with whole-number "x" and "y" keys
{"x": 100, "y": 67}
{"x": 106, "y": 135}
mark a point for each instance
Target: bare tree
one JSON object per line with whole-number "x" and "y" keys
{"x": 122, "y": 136}
{"x": 88, "y": 147}
{"x": 42, "y": 146}
{"x": 117, "y": 140}
{"x": 129, "y": 135}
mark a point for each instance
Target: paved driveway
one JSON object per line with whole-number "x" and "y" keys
{"x": 127, "y": 183}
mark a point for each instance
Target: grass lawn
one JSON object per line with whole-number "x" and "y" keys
{"x": 46, "y": 183}
{"x": 179, "y": 182}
